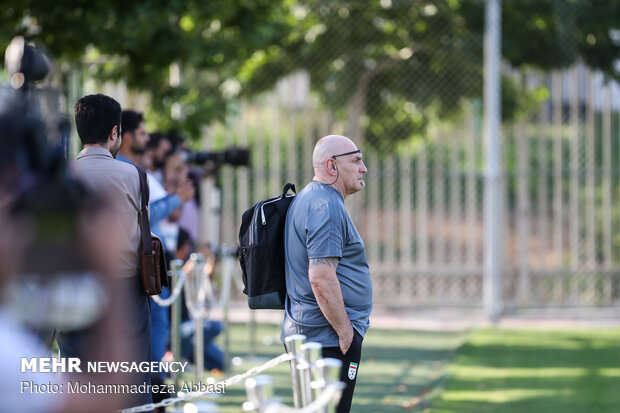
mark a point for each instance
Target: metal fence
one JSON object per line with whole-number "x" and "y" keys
{"x": 421, "y": 212}
{"x": 404, "y": 80}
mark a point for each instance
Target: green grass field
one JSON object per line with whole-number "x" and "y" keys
{"x": 397, "y": 368}
{"x": 446, "y": 372}
{"x": 535, "y": 371}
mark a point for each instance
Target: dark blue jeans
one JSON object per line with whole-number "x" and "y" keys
{"x": 160, "y": 327}
{"x": 213, "y": 356}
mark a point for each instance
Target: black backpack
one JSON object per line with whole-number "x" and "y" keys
{"x": 261, "y": 251}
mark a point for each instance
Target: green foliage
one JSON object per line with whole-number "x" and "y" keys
{"x": 390, "y": 60}
{"x": 405, "y": 62}
{"x": 138, "y": 41}
{"x": 551, "y": 34}
{"x": 397, "y": 58}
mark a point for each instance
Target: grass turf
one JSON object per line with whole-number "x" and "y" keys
{"x": 488, "y": 370}
{"x": 398, "y": 371}
{"x": 534, "y": 371}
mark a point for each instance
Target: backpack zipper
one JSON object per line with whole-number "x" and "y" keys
{"x": 262, "y": 211}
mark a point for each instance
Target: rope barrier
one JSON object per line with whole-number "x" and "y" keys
{"x": 326, "y": 396}
{"x": 204, "y": 292}
{"x": 167, "y": 302}
{"x": 227, "y": 382}
{"x": 197, "y": 269}
{"x": 228, "y": 277}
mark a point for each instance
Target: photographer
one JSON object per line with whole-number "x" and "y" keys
{"x": 97, "y": 119}
{"x": 175, "y": 173}
{"x": 55, "y": 242}
{"x": 202, "y": 164}
{"x": 132, "y": 151}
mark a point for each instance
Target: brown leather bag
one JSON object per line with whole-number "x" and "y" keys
{"x": 153, "y": 268}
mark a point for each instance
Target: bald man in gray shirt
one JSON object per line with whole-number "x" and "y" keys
{"x": 329, "y": 290}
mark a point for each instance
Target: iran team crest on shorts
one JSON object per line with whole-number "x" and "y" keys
{"x": 352, "y": 371}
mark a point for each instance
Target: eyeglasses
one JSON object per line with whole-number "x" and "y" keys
{"x": 348, "y": 153}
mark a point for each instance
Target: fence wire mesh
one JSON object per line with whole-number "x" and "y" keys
{"x": 404, "y": 80}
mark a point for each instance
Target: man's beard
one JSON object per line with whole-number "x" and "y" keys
{"x": 158, "y": 163}
{"x": 136, "y": 150}
{"x": 115, "y": 148}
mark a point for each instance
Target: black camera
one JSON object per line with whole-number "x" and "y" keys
{"x": 37, "y": 192}
{"x": 26, "y": 156}
{"x": 25, "y": 64}
{"x": 233, "y": 156}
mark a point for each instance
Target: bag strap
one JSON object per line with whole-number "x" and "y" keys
{"x": 286, "y": 189}
{"x": 145, "y": 226}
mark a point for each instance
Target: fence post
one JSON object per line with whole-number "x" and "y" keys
{"x": 293, "y": 346}
{"x": 493, "y": 196}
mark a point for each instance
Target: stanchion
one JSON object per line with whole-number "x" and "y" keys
{"x": 175, "y": 315}
{"x": 260, "y": 393}
{"x": 252, "y": 334}
{"x": 228, "y": 267}
{"x": 328, "y": 372}
{"x": 196, "y": 289}
{"x": 293, "y": 346}
{"x": 311, "y": 352}
{"x": 198, "y": 407}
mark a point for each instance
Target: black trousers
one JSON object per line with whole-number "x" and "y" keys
{"x": 136, "y": 333}
{"x": 350, "y": 367}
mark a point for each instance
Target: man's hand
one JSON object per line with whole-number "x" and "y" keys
{"x": 345, "y": 341}
{"x": 186, "y": 191}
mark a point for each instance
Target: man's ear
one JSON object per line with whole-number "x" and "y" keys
{"x": 114, "y": 134}
{"x": 331, "y": 165}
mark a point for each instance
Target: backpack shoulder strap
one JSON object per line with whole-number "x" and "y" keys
{"x": 286, "y": 189}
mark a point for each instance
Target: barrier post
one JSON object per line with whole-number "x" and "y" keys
{"x": 293, "y": 346}
{"x": 328, "y": 372}
{"x": 260, "y": 392}
{"x": 175, "y": 315}
{"x": 228, "y": 266}
{"x": 200, "y": 291}
{"x": 311, "y": 352}
{"x": 252, "y": 334}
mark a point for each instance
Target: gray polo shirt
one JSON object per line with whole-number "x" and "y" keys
{"x": 318, "y": 226}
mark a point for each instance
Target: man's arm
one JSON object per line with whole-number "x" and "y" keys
{"x": 163, "y": 207}
{"x": 326, "y": 288}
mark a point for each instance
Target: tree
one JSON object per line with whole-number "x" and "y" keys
{"x": 388, "y": 65}
{"x": 138, "y": 41}
{"x": 400, "y": 63}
